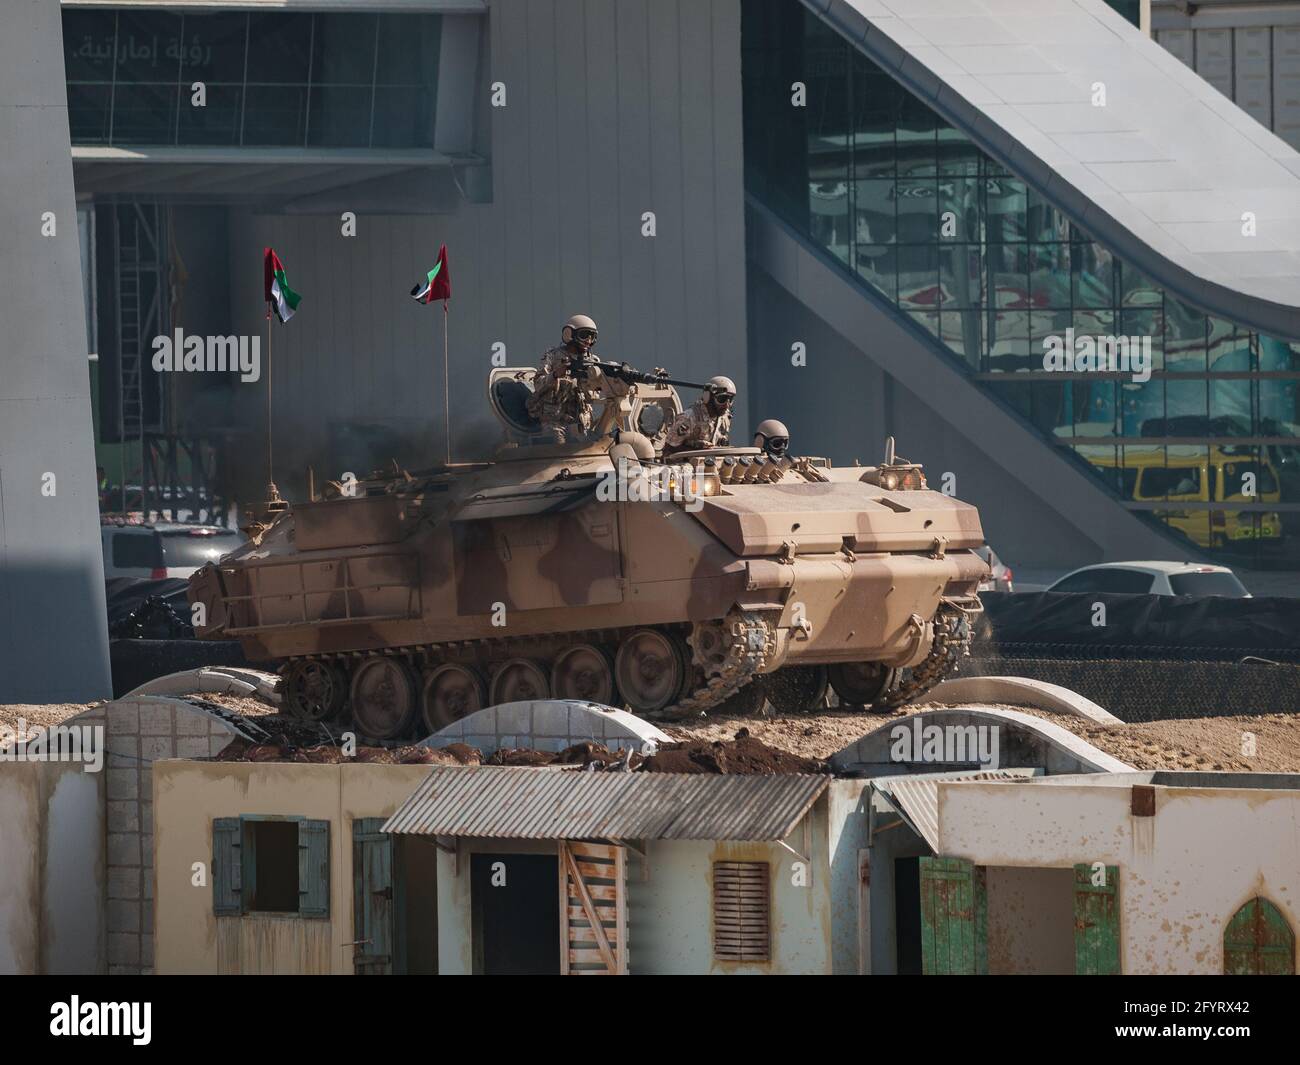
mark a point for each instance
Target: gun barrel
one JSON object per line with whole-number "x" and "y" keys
{"x": 623, "y": 372}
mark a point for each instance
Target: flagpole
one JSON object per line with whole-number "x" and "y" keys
{"x": 270, "y": 455}
{"x": 446, "y": 381}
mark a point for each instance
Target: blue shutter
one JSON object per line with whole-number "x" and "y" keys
{"x": 313, "y": 868}
{"x": 227, "y": 867}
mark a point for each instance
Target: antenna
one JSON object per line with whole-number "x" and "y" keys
{"x": 889, "y": 451}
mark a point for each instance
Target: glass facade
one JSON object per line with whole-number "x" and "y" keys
{"x": 975, "y": 258}
{"x": 279, "y": 79}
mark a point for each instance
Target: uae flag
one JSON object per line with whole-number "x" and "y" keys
{"x": 278, "y": 293}
{"x": 437, "y": 285}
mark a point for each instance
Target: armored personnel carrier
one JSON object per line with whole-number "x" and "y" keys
{"x": 598, "y": 570}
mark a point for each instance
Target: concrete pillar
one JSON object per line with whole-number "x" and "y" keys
{"x": 53, "y": 629}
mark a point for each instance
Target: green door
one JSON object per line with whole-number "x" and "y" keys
{"x": 954, "y": 907}
{"x": 1096, "y": 920}
{"x": 372, "y": 898}
{"x": 1258, "y": 942}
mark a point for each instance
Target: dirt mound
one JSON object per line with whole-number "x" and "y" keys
{"x": 742, "y": 755}
{"x": 283, "y": 749}
{"x": 588, "y": 755}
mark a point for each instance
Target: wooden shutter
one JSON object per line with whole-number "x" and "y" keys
{"x": 1096, "y": 922}
{"x": 742, "y": 911}
{"x": 313, "y": 868}
{"x": 372, "y": 898}
{"x": 954, "y": 922}
{"x": 593, "y": 909}
{"x": 1258, "y": 941}
{"x": 227, "y": 868}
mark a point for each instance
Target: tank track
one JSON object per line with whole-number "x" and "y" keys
{"x": 952, "y": 640}
{"x": 751, "y": 641}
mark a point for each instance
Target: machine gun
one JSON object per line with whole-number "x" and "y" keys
{"x": 582, "y": 365}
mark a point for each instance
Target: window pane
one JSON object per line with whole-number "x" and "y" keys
{"x": 279, "y": 48}
{"x": 1004, "y": 206}
{"x": 275, "y": 115}
{"x": 960, "y": 278}
{"x": 217, "y": 122}
{"x": 1006, "y": 342}
{"x": 148, "y": 47}
{"x": 213, "y": 47}
{"x": 1095, "y": 411}
{"x": 957, "y": 155}
{"x": 1184, "y": 337}
{"x": 88, "y": 45}
{"x": 343, "y": 51}
{"x": 145, "y": 114}
{"x": 876, "y": 99}
{"x": 877, "y": 265}
{"x": 916, "y": 138}
{"x": 404, "y": 118}
{"x": 1231, "y": 407}
{"x": 874, "y": 208}
{"x": 918, "y": 276}
{"x": 1092, "y": 275}
{"x": 1142, "y": 407}
{"x": 960, "y": 197}
{"x": 1049, "y": 274}
{"x": 339, "y": 117}
{"x": 408, "y": 50}
{"x": 918, "y": 215}
{"x": 88, "y": 113}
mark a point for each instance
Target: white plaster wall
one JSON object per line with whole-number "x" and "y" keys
{"x": 73, "y": 938}
{"x": 51, "y": 869}
{"x": 20, "y": 903}
{"x": 1183, "y": 872}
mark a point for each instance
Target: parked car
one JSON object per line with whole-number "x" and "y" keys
{"x": 163, "y": 549}
{"x": 1154, "y": 578}
{"x": 1000, "y": 575}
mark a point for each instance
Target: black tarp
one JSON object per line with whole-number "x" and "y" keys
{"x": 1150, "y": 626}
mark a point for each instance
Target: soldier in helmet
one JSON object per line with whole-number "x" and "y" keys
{"x": 707, "y": 422}
{"x": 561, "y": 398}
{"x": 773, "y": 437}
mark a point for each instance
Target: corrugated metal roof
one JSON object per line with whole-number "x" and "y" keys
{"x": 916, "y": 798}
{"x": 527, "y": 803}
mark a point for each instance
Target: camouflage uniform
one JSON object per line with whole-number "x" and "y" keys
{"x": 697, "y": 427}
{"x": 560, "y": 401}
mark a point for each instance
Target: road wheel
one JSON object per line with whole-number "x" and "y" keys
{"x": 313, "y": 690}
{"x": 385, "y": 697}
{"x": 796, "y": 689}
{"x": 584, "y": 672}
{"x": 860, "y": 683}
{"x": 650, "y": 669}
{"x": 450, "y": 692}
{"x": 519, "y": 680}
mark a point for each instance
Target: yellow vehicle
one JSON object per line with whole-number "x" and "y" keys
{"x": 1192, "y": 475}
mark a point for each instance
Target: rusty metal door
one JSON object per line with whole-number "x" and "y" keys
{"x": 1096, "y": 920}
{"x": 1258, "y": 941}
{"x": 954, "y": 932}
{"x": 373, "y": 903}
{"x": 593, "y": 909}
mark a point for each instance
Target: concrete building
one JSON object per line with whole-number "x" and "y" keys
{"x": 916, "y": 222}
{"x": 873, "y": 215}
{"x": 1164, "y": 872}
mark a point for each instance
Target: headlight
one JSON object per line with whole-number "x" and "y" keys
{"x": 889, "y": 482}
